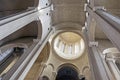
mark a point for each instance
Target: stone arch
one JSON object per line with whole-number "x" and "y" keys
{"x": 68, "y": 64}
{"x": 68, "y": 26}
{"x": 67, "y": 71}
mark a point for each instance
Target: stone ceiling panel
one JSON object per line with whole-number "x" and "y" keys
{"x": 68, "y": 11}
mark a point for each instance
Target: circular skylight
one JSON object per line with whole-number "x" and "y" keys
{"x": 69, "y": 45}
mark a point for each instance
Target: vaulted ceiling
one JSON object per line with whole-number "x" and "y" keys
{"x": 68, "y": 11}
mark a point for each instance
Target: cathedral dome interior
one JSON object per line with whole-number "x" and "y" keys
{"x": 69, "y": 45}
{"x": 59, "y": 39}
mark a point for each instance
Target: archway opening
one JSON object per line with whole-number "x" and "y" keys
{"x": 68, "y": 73}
